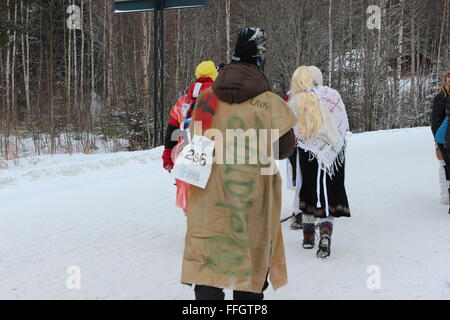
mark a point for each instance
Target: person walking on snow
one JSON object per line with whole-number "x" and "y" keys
{"x": 439, "y": 128}
{"x": 206, "y": 73}
{"x": 294, "y": 179}
{"x": 321, "y": 139}
{"x": 293, "y": 184}
{"x": 234, "y": 239}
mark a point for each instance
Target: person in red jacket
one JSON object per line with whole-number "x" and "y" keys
{"x": 206, "y": 73}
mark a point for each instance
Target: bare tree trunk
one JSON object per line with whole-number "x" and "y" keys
{"x": 110, "y": 57}
{"x": 330, "y": 38}
{"x": 145, "y": 59}
{"x": 69, "y": 76}
{"x": 37, "y": 112}
{"x": 217, "y": 35}
{"x": 92, "y": 72}
{"x": 228, "y": 26}
{"x": 413, "y": 59}
{"x": 70, "y": 104}
{"x": 441, "y": 38}
{"x": 13, "y": 72}
{"x": 127, "y": 77}
{"x": 75, "y": 82}
{"x": 177, "y": 64}
{"x": 13, "y": 88}
{"x": 398, "y": 77}
{"x": 26, "y": 59}
{"x": 50, "y": 88}
{"x": 83, "y": 122}
{"x": 8, "y": 75}
{"x": 134, "y": 72}
{"x": 105, "y": 106}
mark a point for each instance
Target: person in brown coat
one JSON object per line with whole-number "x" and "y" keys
{"x": 234, "y": 238}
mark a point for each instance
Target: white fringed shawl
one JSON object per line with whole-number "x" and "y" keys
{"x": 329, "y": 156}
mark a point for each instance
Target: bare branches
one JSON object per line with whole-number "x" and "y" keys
{"x": 75, "y": 87}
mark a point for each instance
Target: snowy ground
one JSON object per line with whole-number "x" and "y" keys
{"x": 20, "y": 147}
{"x": 114, "y": 217}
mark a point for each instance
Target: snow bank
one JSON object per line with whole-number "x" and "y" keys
{"x": 20, "y": 147}
{"x": 43, "y": 167}
{"x": 36, "y": 168}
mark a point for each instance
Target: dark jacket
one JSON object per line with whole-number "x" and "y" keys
{"x": 239, "y": 82}
{"x": 446, "y": 101}
{"x": 438, "y": 112}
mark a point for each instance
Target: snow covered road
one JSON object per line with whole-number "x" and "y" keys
{"x": 113, "y": 217}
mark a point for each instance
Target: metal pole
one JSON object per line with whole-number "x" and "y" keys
{"x": 162, "y": 74}
{"x": 158, "y": 74}
{"x": 155, "y": 78}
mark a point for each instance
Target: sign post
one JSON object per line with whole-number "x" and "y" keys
{"x": 158, "y": 7}
{"x": 158, "y": 73}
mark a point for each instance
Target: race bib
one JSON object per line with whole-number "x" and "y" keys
{"x": 194, "y": 164}
{"x": 185, "y": 108}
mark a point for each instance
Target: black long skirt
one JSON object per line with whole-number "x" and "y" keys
{"x": 337, "y": 196}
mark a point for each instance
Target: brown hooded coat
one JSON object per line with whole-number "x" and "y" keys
{"x": 234, "y": 233}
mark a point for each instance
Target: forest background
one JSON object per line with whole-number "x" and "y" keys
{"x": 90, "y": 88}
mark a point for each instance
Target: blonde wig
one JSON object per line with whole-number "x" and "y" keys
{"x": 309, "y": 115}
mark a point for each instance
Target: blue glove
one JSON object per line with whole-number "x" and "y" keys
{"x": 186, "y": 123}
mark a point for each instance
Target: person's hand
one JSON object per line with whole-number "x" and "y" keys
{"x": 167, "y": 160}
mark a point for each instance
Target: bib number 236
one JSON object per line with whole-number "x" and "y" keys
{"x": 194, "y": 164}
{"x": 196, "y": 157}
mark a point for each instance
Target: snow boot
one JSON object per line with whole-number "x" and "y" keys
{"x": 309, "y": 231}
{"x": 297, "y": 221}
{"x": 309, "y": 236}
{"x": 326, "y": 229}
{"x": 309, "y": 240}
